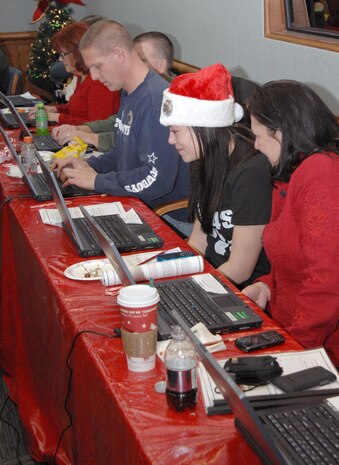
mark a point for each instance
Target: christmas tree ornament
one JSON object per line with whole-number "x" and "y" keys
{"x": 40, "y": 11}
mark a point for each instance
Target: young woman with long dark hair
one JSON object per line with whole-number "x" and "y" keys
{"x": 230, "y": 194}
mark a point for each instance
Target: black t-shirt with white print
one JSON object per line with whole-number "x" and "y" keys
{"x": 246, "y": 200}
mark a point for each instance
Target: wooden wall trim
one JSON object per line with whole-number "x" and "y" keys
{"x": 17, "y": 46}
{"x": 275, "y": 28}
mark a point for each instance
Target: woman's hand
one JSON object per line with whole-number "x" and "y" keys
{"x": 48, "y": 108}
{"x": 258, "y": 292}
{"x": 53, "y": 116}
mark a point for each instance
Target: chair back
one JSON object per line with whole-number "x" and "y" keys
{"x": 15, "y": 84}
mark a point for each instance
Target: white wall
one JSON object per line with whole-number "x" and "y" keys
{"x": 230, "y": 31}
{"x": 207, "y": 31}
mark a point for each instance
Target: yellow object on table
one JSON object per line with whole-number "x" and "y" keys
{"x": 75, "y": 148}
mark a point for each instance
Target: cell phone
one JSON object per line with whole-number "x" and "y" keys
{"x": 174, "y": 255}
{"x": 304, "y": 379}
{"x": 259, "y": 341}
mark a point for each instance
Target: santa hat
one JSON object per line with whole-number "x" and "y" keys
{"x": 204, "y": 99}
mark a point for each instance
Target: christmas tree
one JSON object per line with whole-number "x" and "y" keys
{"x": 57, "y": 15}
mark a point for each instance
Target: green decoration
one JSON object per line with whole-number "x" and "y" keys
{"x": 43, "y": 56}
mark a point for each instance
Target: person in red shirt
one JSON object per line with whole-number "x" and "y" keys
{"x": 300, "y": 137}
{"x": 91, "y": 100}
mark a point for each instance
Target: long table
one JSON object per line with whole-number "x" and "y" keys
{"x": 61, "y": 374}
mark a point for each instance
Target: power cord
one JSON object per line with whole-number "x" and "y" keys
{"x": 8, "y": 199}
{"x": 70, "y": 424}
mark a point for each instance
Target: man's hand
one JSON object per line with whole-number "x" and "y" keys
{"x": 67, "y": 132}
{"x": 60, "y": 163}
{"x": 82, "y": 176}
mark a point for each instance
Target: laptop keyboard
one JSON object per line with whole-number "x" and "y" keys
{"x": 189, "y": 299}
{"x": 9, "y": 120}
{"x": 46, "y": 142}
{"x": 20, "y": 101}
{"x": 312, "y": 432}
{"x": 112, "y": 227}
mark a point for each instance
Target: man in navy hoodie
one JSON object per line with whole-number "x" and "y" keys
{"x": 142, "y": 163}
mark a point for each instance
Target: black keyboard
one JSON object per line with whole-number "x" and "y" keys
{"x": 11, "y": 122}
{"x": 312, "y": 432}
{"x": 46, "y": 142}
{"x": 69, "y": 191}
{"x": 190, "y": 300}
{"x": 20, "y": 101}
{"x": 108, "y": 224}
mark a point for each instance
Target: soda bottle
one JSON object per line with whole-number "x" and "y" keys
{"x": 181, "y": 370}
{"x": 28, "y": 155}
{"x": 41, "y": 120}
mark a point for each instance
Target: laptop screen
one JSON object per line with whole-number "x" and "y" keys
{"x": 16, "y": 114}
{"x": 110, "y": 250}
{"x": 26, "y": 176}
{"x": 248, "y": 421}
{"x": 59, "y": 201}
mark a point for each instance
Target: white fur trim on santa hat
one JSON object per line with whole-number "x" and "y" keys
{"x": 187, "y": 111}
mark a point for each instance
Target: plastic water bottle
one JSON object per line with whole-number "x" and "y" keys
{"x": 181, "y": 369}
{"x": 41, "y": 120}
{"x": 28, "y": 155}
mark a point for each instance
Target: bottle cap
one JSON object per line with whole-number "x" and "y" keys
{"x": 40, "y": 105}
{"x": 28, "y": 139}
{"x": 178, "y": 333}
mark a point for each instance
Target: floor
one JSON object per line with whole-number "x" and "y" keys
{"x": 12, "y": 446}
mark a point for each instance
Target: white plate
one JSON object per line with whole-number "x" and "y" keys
{"x": 86, "y": 271}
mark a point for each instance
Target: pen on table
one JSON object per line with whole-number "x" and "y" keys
{"x": 151, "y": 258}
{"x": 50, "y": 204}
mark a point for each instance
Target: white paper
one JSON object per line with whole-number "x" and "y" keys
{"x": 209, "y": 283}
{"x": 28, "y": 95}
{"x": 14, "y": 172}
{"x": 51, "y": 216}
{"x": 334, "y": 401}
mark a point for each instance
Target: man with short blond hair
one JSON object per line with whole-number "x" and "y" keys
{"x": 142, "y": 163}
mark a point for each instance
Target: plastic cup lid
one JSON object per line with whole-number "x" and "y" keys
{"x": 138, "y": 295}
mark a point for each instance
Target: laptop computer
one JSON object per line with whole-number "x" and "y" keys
{"x": 299, "y": 434}
{"x": 35, "y": 182}
{"x": 219, "y": 312}
{"x": 127, "y": 237}
{"x": 45, "y": 142}
{"x": 21, "y": 101}
{"x": 10, "y": 122}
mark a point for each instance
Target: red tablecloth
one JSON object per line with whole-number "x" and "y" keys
{"x": 117, "y": 417}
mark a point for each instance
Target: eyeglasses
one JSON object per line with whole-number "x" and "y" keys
{"x": 62, "y": 55}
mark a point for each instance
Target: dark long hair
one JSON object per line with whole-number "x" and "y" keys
{"x": 210, "y": 171}
{"x": 69, "y": 38}
{"x": 306, "y": 123}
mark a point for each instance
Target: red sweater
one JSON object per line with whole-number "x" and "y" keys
{"x": 91, "y": 101}
{"x": 302, "y": 244}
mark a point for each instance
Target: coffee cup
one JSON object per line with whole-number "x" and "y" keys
{"x": 138, "y": 305}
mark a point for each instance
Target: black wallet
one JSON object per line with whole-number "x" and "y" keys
{"x": 253, "y": 371}
{"x": 304, "y": 379}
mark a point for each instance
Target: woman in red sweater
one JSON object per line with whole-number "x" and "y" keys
{"x": 300, "y": 137}
{"x": 91, "y": 100}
